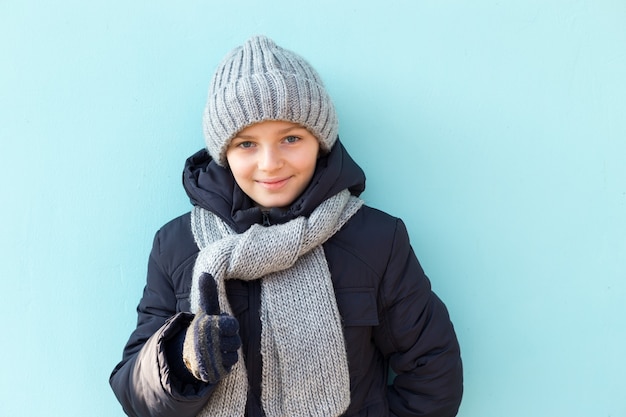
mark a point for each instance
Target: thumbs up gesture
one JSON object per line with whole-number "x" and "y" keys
{"x": 212, "y": 339}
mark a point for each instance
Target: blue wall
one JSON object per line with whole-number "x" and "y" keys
{"x": 496, "y": 130}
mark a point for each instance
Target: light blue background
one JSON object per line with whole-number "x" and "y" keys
{"x": 495, "y": 129}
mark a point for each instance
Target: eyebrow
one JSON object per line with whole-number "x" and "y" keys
{"x": 280, "y": 132}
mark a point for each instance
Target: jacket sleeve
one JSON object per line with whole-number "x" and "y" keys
{"x": 143, "y": 382}
{"x": 417, "y": 336}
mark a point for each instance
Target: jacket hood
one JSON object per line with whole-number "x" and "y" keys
{"x": 213, "y": 187}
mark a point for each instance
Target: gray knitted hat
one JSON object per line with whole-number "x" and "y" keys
{"x": 261, "y": 81}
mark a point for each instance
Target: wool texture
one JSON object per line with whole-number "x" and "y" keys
{"x": 201, "y": 349}
{"x": 305, "y": 368}
{"x": 261, "y": 81}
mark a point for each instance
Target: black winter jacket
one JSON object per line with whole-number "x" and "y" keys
{"x": 391, "y": 318}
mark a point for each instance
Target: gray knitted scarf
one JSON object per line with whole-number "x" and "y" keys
{"x": 305, "y": 369}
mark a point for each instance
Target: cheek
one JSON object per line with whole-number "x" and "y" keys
{"x": 309, "y": 163}
{"x": 238, "y": 168}
{"x": 307, "y": 159}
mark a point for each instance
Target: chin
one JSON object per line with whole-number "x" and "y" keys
{"x": 269, "y": 204}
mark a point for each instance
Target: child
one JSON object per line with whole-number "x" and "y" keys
{"x": 281, "y": 294}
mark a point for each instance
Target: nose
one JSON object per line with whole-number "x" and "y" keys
{"x": 270, "y": 159}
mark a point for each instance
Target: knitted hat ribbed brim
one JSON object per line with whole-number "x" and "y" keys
{"x": 261, "y": 81}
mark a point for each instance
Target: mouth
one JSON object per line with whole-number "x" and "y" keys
{"x": 273, "y": 184}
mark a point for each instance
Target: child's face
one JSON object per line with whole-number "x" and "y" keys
{"x": 273, "y": 161}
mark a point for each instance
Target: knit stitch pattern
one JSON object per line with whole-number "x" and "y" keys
{"x": 202, "y": 339}
{"x": 305, "y": 368}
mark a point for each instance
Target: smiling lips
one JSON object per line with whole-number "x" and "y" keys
{"x": 273, "y": 184}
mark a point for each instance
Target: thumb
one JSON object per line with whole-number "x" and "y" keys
{"x": 209, "y": 302}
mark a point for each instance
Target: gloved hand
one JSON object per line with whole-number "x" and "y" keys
{"x": 212, "y": 339}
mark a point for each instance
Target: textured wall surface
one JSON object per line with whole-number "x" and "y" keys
{"x": 496, "y": 130}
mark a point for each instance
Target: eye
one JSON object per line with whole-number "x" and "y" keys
{"x": 245, "y": 144}
{"x": 291, "y": 139}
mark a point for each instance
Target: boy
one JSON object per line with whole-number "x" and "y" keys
{"x": 281, "y": 294}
